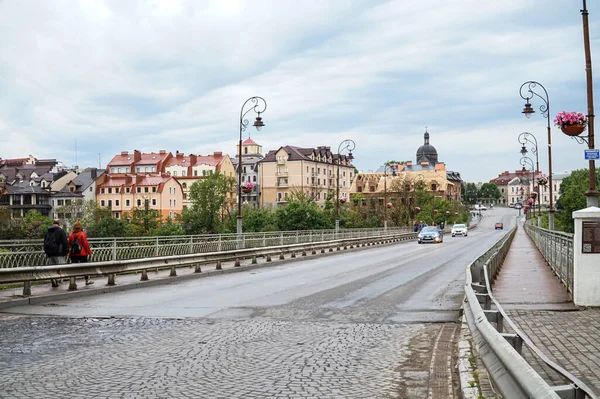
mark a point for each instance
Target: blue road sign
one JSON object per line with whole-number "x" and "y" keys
{"x": 592, "y": 154}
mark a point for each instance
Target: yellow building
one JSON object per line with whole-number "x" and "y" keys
{"x": 312, "y": 171}
{"x": 401, "y": 179}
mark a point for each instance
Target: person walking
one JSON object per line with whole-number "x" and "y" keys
{"x": 56, "y": 247}
{"x": 79, "y": 248}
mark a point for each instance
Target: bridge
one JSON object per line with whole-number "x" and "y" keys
{"x": 364, "y": 316}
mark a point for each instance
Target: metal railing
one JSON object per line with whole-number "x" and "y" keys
{"x": 27, "y": 275}
{"x": 22, "y": 253}
{"x": 501, "y": 352}
{"x": 557, "y": 249}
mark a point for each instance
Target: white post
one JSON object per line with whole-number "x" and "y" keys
{"x": 586, "y": 257}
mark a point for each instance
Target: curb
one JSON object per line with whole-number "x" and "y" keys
{"x": 469, "y": 385}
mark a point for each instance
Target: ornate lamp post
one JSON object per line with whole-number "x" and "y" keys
{"x": 526, "y": 138}
{"x": 346, "y": 145}
{"x": 385, "y": 203}
{"x": 258, "y": 105}
{"x": 526, "y": 161}
{"x": 527, "y": 91}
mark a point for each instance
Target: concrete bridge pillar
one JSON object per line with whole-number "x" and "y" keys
{"x": 586, "y": 257}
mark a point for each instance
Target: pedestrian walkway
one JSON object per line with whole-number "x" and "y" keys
{"x": 540, "y": 306}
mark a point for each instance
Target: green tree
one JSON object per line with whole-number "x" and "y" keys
{"x": 9, "y": 228}
{"x": 489, "y": 191}
{"x": 572, "y": 197}
{"x": 169, "y": 228}
{"x": 35, "y": 224}
{"x": 208, "y": 204}
{"x": 143, "y": 221}
{"x": 261, "y": 219}
{"x": 301, "y": 213}
{"x": 99, "y": 223}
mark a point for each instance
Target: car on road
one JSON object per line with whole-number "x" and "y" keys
{"x": 511, "y": 205}
{"x": 499, "y": 225}
{"x": 518, "y": 206}
{"x": 430, "y": 234}
{"x": 459, "y": 230}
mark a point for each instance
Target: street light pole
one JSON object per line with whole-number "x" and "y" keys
{"x": 527, "y": 92}
{"x": 385, "y": 169}
{"x": 258, "y": 105}
{"x": 524, "y": 139}
{"x": 526, "y": 161}
{"x": 591, "y": 194}
{"x": 346, "y": 145}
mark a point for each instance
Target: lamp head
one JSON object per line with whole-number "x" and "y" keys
{"x": 350, "y": 156}
{"x": 523, "y": 150}
{"x": 523, "y": 170}
{"x": 528, "y": 110}
{"x": 258, "y": 123}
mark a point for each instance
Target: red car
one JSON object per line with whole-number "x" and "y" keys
{"x": 499, "y": 226}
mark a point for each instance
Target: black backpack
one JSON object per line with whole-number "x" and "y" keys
{"x": 75, "y": 247}
{"x": 51, "y": 247}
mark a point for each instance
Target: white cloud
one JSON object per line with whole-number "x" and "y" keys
{"x": 173, "y": 75}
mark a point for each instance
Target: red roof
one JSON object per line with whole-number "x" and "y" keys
{"x": 249, "y": 141}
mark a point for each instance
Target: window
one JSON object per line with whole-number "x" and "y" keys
{"x": 138, "y": 169}
{"x": 102, "y": 203}
{"x": 109, "y": 203}
{"x": 170, "y": 215}
{"x": 154, "y": 168}
{"x": 244, "y": 169}
{"x": 61, "y": 202}
{"x": 245, "y": 150}
{"x": 117, "y": 216}
{"x": 433, "y": 187}
{"x": 170, "y": 190}
{"x": 183, "y": 173}
{"x": 175, "y": 203}
{"x": 318, "y": 171}
{"x": 254, "y": 178}
{"x": 153, "y": 189}
{"x": 203, "y": 173}
{"x": 102, "y": 191}
{"x": 139, "y": 202}
{"x": 154, "y": 201}
{"x": 139, "y": 189}
{"x": 110, "y": 190}
{"x": 195, "y": 173}
{"x": 174, "y": 190}
{"x": 175, "y": 173}
{"x": 146, "y": 189}
{"x": 285, "y": 196}
{"x": 127, "y": 203}
{"x": 170, "y": 202}
{"x": 279, "y": 197}
{"x": 344, "y": 173}
{"x": 127, "y": 190}
{"x": 116, "y": 202}
{"x": 184, "y": 196}
{"x": 90, "y": 190}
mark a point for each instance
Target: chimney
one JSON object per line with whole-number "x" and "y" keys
{"x": 162, "y": 152}
{"x": 193, "y": 159}
{"x": 218, "y": 154}
{"x": 179, "y": 154}
{"x": 409, "y": 163}
{"x": 124, "y": 152}
{"x": 137, "y": 155}
{"x": 94, "y": 173}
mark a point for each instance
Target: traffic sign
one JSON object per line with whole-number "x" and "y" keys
{"x": 592, "y": 154}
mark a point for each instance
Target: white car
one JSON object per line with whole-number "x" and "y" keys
{"x": 459, "y": 230}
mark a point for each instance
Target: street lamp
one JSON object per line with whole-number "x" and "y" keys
{"x": 524, "y": 139}
{"x": 346, "y": 145}
{"x": 258, "y": 105}
{"x": 592, "y": 194}
{"x": 527, "y": 91}
{"x": 526, "y": 161}
{"x": 385, "y": 203}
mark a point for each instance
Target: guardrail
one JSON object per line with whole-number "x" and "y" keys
{"x": 23, "y": 253}
{"x": 557, "y": 249}
{"x": 501, "y": 352}
{"x": 27, "y": 275}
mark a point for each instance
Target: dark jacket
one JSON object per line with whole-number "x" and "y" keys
{"x": 61, "y": 239}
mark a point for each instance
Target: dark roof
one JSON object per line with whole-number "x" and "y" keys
{"x": 303, "y": 154}
{"x": 86, "y": 178}
{"x": 453, "y": 176}
{"x": 23, "y": 187}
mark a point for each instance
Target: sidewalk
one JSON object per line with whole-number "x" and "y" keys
{"x": 540, "y": 306}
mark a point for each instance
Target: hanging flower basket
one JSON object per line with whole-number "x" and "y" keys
{"x": 389, "y": 205}
{"x": 456, "y": 213}
{"x": 417, "y": 209}
{"x": 247, "y": 187}
{"x": 530, "y": 201}
{"x": 343, "y": 200}
{"x": 435, "y": 211}
{"x": 542, "y": 180}
{"x": 571, "y": 123}
{"x": 447, "y": 212}
{"x": 534, "y": 195}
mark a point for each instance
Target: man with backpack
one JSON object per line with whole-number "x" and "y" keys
{"x": 56, "y": 246}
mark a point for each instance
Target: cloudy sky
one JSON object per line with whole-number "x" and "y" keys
{"x": 81, "y": 81}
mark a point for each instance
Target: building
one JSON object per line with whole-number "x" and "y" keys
{"x": 251, "y": 155}
{"x": 139, "y": 181}
{"x": 68, "y": 203}
{"x": 191, "y": 168}
{"x": 312, "y": 171}
{"x": 401, "y": 179}
{"x": 510, "y": 184}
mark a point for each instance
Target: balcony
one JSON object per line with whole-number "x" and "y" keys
{"x": 281, "y": 173}
{"x": 280, "y": 161}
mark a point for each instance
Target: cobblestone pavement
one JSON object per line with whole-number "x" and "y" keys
{"x": 55, "y": 357}
{"x": 571, "y": 339}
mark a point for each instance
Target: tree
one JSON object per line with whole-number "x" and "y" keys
{"x": 9, "y": 228}
{"x": 301, "y": 213}
{"x": 208, "y": 204}
{"x": 144, "y": 221}
{"x": 489, "y": 191}
{"x": 469, "y": 193}
{"x": 169, "y": 228}
{"x": 572, "y": 197}
{"x": 76, "y": 211}
{"x": 35, "y": 224}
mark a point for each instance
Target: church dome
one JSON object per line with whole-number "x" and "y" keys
{"x": 427, "y": 152}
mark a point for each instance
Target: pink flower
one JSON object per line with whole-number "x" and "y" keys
{"x": 565, "y": 118}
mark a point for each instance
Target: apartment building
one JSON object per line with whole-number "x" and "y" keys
{"x": 313, "y": 171}
{"x": 251, "y": 155}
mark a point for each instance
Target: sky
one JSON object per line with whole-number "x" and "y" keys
{"x": 81, "y": 81}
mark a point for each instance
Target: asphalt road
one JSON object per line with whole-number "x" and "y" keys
{"x": 375, "y": 323}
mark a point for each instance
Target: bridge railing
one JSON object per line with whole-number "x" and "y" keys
{"x": 28, "y": 275}
{"x": 22, "y": 253}
{"x": 501, "y": 352}
{"x": 557, "y": 249}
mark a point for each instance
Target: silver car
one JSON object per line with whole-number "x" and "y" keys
{"x": 459, "y": 230}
